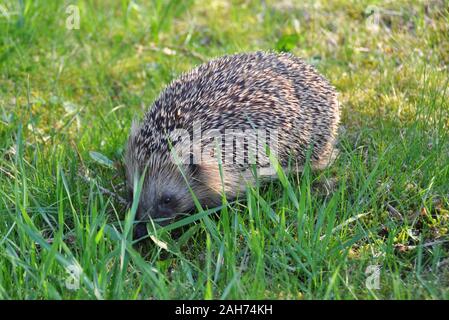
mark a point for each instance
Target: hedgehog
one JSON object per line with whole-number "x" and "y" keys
{"x": 215, "y": 130}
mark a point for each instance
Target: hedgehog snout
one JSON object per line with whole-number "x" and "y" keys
{"x": 140, "y": 231}
{"x": 161, "y": 215}
{"x": 157, "y": 210}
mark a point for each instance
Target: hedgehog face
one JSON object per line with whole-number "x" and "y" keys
{"x": 161, "y": 198}
{"x": 164, "y": 196}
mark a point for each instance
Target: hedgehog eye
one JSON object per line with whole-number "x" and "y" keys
{"x": 166, "y": 200}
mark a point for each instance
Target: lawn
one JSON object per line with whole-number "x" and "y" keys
{"x": 374, "y": 225}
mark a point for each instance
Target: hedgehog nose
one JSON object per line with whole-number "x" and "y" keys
{"x": 140, "y": 231}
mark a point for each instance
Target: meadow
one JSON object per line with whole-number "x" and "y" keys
{"x": 374, "y": 225}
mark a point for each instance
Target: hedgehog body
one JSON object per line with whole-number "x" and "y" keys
{"x": 205, "y": 130}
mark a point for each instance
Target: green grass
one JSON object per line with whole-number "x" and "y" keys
{"x": 385, "y": 202}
